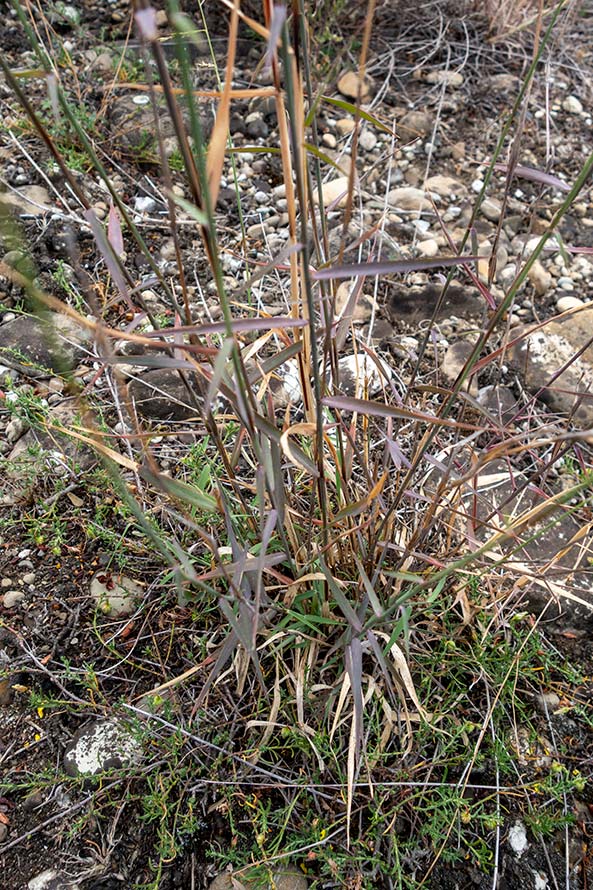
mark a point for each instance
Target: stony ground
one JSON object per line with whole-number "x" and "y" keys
{"x": 77, "y": 588}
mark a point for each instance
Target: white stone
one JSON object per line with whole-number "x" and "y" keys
{"x": 428, "y": 248}
{"x": 518, "y": 839}
{"x": 94, "y": 748}
{"x": 477, "y": 185}
{"x": 367, "y": 140}
{"x": 329, "y": 139}
{"x": 566, "y": 303}
{"x": 115, "y": 594}
{"x": 572, "y": 105}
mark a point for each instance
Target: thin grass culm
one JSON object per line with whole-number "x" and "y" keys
{"x": 296, "y": 441}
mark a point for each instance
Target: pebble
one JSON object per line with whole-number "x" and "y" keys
{"x": 540, "y": 278}
{"x": 428, "y": 248}
{"x": 477, "y": 185}
{"x": 546, "y": 702}
{"x": 350, "y": 84}
{"x": 367, "y": 140}
{"x": 144, "y": 204}
{"x": 29, "y": 578}
{"x": 345, "y": 126}
{"x": 491, "y": 208}
{"x": 12, "y": 598}
{"x": 329, "y": 140}
{"x": 334, "y": 190}
{"x": 566, "y": 283}
{"x": 565, "y": 303}
{"x": 572, "y": 105}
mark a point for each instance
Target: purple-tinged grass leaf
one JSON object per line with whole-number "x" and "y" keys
{"x": 535, "y": 176}
{"x": 237, "y": 326}
{"x": 114, "y": 232}
{"x": 108, "y": 255}
{"x": 392, "y": 267}
{"x": 276, "y": 25}
{"x": 380, "y": 409}
{"x": 146, "y": 23}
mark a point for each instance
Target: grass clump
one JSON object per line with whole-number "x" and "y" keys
{"x": 323, "y": 660}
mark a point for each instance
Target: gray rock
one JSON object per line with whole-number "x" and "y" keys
{"x": 359, "y": 376}
{"x": 134, "y": 129}
{"x": 417, "y": 302}
{"x": 116, "y": 595}
{"x": 15, "y": 428}
{"x": 42, "y": 348}
{"x": 39, "y": 449}
{"x": 543, "y": 353}
{"x": 499, "y": 402}
{"x": 161, "y": 395}
{"x": 409, "y": 198}
{"x": 415, "y": 124}
{"x": 454, "y": 361}
{"x": 555, "y": 564}
{"x": 12, "y": 598}
{"x": 102, "y": 745}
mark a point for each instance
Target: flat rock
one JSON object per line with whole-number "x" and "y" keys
{"x": 418, "y": 302}
{"x": 414, "y": 125}
{"x": 42, "y": 348}
{"x": 499, "y": 402}
{"x": 555, "y": 564}
{"x": 134, "y": 130}
{"x": 336, "y": 190}
{"x": 42, "y": 449}
{"x": 445, "y": 186}
{"x": 30, "y": 200}
{"x": 116, "y": 595}
{"x": 540, "y": 355}
{"x": 409, "y": 198}
{"x": 102, "y": 745}
{"x": 161, "y": 395}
